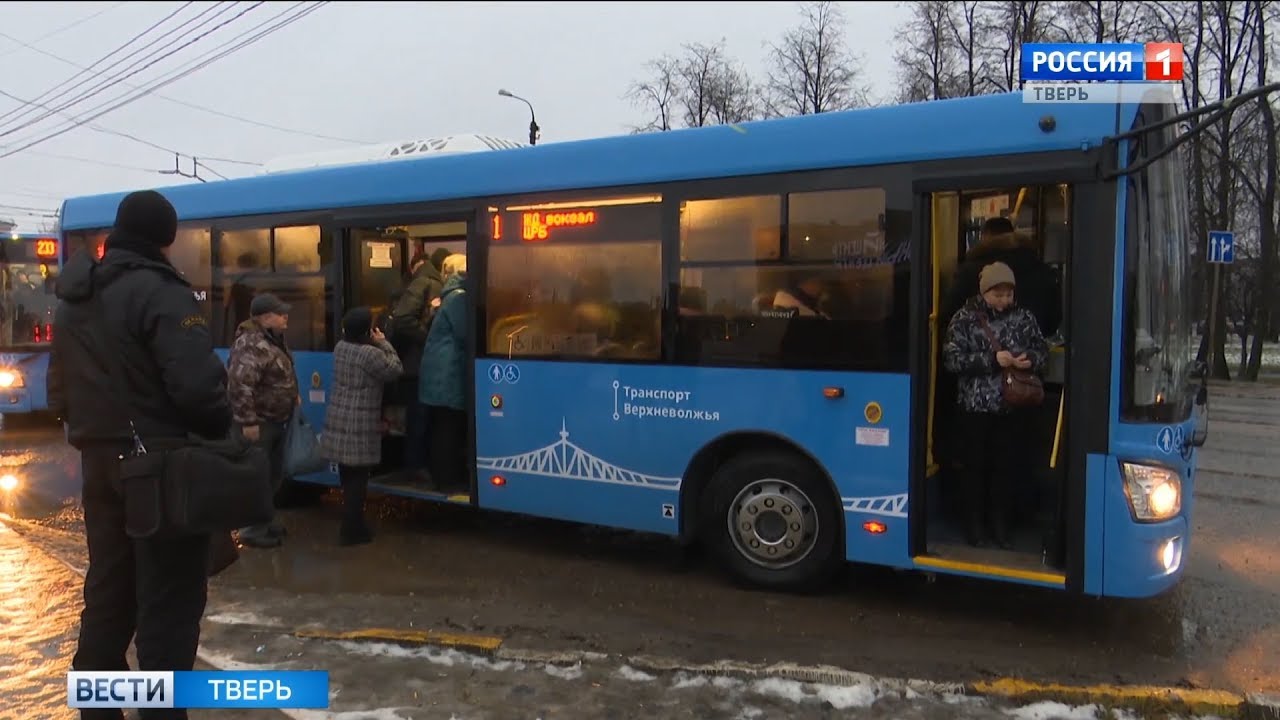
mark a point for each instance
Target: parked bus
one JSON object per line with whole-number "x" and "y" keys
{"x": 29, "y": 264}
{"x": 633, "y": 367}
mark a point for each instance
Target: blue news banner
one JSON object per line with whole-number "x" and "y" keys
{"x": 305, "y": 689}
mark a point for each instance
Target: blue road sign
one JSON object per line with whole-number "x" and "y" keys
{"x": 1222, "y": 247}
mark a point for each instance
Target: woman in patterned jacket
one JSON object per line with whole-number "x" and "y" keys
{"x": 991, "y": 432}
{"x": 363, "y": 363}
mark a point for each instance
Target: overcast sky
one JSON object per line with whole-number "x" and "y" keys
{"x": 371, "y": 72}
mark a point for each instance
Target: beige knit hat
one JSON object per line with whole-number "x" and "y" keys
{"x": 996, "y": 273}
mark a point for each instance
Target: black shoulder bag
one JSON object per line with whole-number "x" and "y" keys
{"x": 185, "y": 486}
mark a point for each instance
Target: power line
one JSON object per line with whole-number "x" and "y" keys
{"x": 30, "y": 193}
{"x": 135, "y": 38}
{"x": 60, "y": 30}
{"x": 194, "y": 106}
{"x": 127, "y": 136}
{"x": 181, "y": 74}
{"x": 91, "y": 161}
{"x": 37, "y": 212}
{"x": 129, "y": 72}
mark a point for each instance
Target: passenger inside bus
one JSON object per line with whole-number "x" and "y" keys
{"x": 1028, "y": 229}
{"x": 989, "y": 335}
{"x": 442, "y": 379}
{"x": 1038, "y": 288}
{"x": 804, "y": 296}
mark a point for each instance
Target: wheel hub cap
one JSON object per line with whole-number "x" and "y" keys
{"x": 773, "y": 524}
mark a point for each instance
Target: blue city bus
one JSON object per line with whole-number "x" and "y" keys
{"x": 633, "y": 367}
{"x": 29, "y": 264}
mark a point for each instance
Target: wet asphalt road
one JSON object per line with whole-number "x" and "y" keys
{"x": 543, "y": 584}
{"x": 382, "y": 681}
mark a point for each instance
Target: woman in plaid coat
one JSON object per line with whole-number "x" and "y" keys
{"x": 363, "y": 363}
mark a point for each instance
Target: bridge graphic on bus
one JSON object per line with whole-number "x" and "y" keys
{"x": 887, "y": 505}
{"x": 567, "y": 461}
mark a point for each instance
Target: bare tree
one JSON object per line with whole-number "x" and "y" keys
{"x": 1220, "y": 43}
{"x": 812, "y": 70}
{"x": 926, "y": 54}
{"x": 1009, "y": 25}
{"x": 965, "y": 30}
{"x": 1101, "y": 21}
{"x": 700, "y": 86}
{"x": 657, "y": 94}
{"x": 1266, "y": 204}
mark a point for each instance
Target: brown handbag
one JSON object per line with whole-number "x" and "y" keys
{"x": 1019, "y": 388}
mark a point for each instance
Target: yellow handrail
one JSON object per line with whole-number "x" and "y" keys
{"x": 1057, "y": 433}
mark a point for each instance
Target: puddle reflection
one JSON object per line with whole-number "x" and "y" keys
{"x": 39, "y": 618}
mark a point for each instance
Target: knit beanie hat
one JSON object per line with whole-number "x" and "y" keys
{"x": 996, "y": 273}
{"x": 356, "y": 324}
{"x": 149, "y": 217}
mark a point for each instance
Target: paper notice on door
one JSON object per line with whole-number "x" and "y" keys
{"x": 873, "y": 436}
{"x": 380, "y": 255}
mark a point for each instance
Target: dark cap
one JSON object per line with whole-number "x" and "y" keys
{"x": 437, "y": 257}
{"x": 148, "y": 216}
{"x": 356, "y": 324}
{"x": 267, "y": 303}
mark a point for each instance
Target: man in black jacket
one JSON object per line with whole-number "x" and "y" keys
{"x": 173, "y": 385}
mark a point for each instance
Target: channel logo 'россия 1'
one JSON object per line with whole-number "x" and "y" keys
{"x": 1114, "y": 62}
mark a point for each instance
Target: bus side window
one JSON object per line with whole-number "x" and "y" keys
{"x": 577, "y": 279}
{"x": 192, "y": 255}
{"x": 291, "y": 262}
{"x": 825, "y": 291}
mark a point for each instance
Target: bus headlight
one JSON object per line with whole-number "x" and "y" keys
{"x": 1154, "y": 492}
{"x": 11, "y": 379}
{"x": 8, "y": 482}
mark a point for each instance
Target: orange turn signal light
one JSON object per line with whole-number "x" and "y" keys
{"x": 832, "y": 393}
{"x": 875, "y": 527}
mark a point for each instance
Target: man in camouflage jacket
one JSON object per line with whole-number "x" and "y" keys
{"x": 263, "y": 389}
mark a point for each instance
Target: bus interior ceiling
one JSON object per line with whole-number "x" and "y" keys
{"x": 1041, "y": 217}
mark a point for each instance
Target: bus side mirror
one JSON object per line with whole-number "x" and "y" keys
{"x": 1201, "y": 412}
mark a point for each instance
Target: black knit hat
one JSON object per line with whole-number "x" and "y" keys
{"x": 437, "y": 257}
{"x": 356, "y": 324}
{"x": 148, "y": 216}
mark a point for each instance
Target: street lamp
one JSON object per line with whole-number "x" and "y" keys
{"x": 533, "y": 122}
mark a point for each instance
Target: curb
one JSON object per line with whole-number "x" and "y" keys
{"x": 1142, "y": 698}
{"x": 1261, "y": 706}
{"x": 482, "y": 643}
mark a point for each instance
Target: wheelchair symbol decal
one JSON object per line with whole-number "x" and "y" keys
{"x": 499, "y": 373}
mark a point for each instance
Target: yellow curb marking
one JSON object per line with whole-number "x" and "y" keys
{"x": 417, "y": 637}
{"x": 1218, "y": 701}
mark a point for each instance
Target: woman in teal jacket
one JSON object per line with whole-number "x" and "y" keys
{"x": 441, "y": 379}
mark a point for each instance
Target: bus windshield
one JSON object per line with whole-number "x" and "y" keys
{"x": 28, "y": 269}
{"x": 1158, "y": 352}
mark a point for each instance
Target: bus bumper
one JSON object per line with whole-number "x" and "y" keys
{"x": 14, "y": 401}
{"x": 1148, "y": 560}
{"x": 1142, "y": 559}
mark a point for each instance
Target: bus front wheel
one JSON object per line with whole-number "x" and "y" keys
{"x": 774, "y": 521}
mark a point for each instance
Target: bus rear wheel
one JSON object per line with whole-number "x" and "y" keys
{"x": 774, "y": 522}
